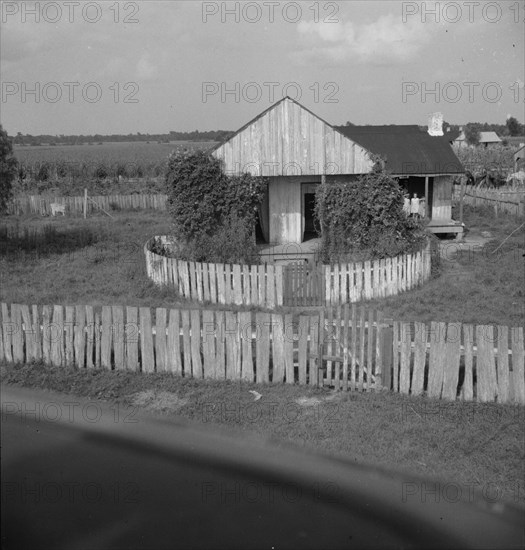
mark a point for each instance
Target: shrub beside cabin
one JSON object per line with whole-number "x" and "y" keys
{"x": 296, "y": 150}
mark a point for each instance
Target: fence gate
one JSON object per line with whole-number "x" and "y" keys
{"x": 304, "y": 284}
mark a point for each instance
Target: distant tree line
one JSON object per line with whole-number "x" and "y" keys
{"x": 511, "y": 128}
{"x": 28, "y": 139}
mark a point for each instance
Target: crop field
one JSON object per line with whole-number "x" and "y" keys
{"x": 118, "y": 151}
{"x": 68, "y": 169}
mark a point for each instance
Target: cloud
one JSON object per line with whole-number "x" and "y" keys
{"x": 146, "y": 69}
{"x": 387, "y": 39}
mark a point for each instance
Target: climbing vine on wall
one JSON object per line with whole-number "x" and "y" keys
{"x": 213, "y": 213}
{"x": 365, "y": 219}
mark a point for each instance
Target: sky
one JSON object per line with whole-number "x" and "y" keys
{"x": 153, "y": 67}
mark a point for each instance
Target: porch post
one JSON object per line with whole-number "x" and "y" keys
{"x": 426, "y": 198}
{"x": 461, "y": 194}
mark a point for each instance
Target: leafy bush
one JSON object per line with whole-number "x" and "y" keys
{"x": 232, "y": 243}
{"x": 8, "y": 168}
{"x": 213, "y": 214}
{"x": 364, "y": 219}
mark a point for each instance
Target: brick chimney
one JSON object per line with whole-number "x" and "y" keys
{"x": 435, "y": 124}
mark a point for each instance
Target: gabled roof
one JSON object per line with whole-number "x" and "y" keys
{"x": 407, "y": 149}
{"x": 260, "y": 115}
{"x": 489, "y": 137}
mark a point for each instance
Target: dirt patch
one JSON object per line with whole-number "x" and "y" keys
{"x": 308, "y": 401}
{"x": 158, "y": 401}
{"x": 313, "y": 401}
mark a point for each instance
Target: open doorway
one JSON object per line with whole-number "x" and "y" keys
{"x": 310, "y": 229}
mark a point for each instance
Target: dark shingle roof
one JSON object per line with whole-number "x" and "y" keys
{"x": 406, "y": 149}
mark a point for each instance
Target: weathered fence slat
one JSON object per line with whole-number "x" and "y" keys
{"x": 57, "y": 341}
{"x": 362, "y": 336}
{"x": 315, "y": 359}
{"x": 29, "y": 333}
{"x": 146, "y": 340}
{"x": 467, "y": 389}
{"x": 213, "y": 284}
{"x": 196, "y": 361}
{"x": 370, "y": 347}
{"x": 452, "y": 360}
{"x": 338, "y": 351}
{"x": 237, "y": 285}
{"x": 245, "y": 323}
{"x": 246, "y": 296}
{"x": 353, "y": 366}
{"x": 119, "y": 354}
{"x": 262, "y": 322}
{"x": 208, "y": 344}
{"x": 228, "y": 291}
{"x": 346, "y": 328}
{"x": 404, "y": 362}
{"x": 186, "y": 342}
{"x": 173, "y": 359}
{"x": 132, "y": 338}
{"x": 17, "y": 338}
{"x": 420, "y": 354}
{"x": 106, "y": 338}
{"x": 270, "y": 286}
{"x": 485, "y": 363}
{"x": 90, "y": 337}
{"x": 79, "y": 337}
{"x": 221, "y": 293}
{"x": 436, "y": 360}
{"x": 254, "y": 284}
{"x": 327, "y": 379}
{"x": 160, "y": 339}
{"x": 97, "y": 340}
{"x": 6, "y": 335}
{"x": 220, "y": 364}
{"x": 503, "y": 364}
{"x": 279, "y": 285}
{"x": 395, "y": 362}
{"x": 288, "y": 349}
{"x": 518, "y": 360}
{"x": 278, "y": 348}
{"x": 37, "y": 336}
{"x": 304, "y": 327}
{"x": 206, "y": 281}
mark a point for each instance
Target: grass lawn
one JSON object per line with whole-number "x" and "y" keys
{"x": 473, "y": 285}
{"x": 478, "y": 445}
{"x": 100, "y": 261}
{"x": 97, "y": 261}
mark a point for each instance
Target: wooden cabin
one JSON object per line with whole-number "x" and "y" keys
{"x": 297, "y": 150}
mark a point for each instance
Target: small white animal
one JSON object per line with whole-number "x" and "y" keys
{"x": 56, "y": 208}
{"x": 256, "y": 395}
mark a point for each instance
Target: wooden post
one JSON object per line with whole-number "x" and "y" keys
{"x": 426, "y": 198}
{"x": 461, "y": 195}
{"x": 85, "y": 203}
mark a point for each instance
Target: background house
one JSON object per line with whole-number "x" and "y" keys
{"x": 297, "y": 151}
{"x": 487, "y": 139}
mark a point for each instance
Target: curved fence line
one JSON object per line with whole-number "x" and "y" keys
{"x": 271, "y": 286}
